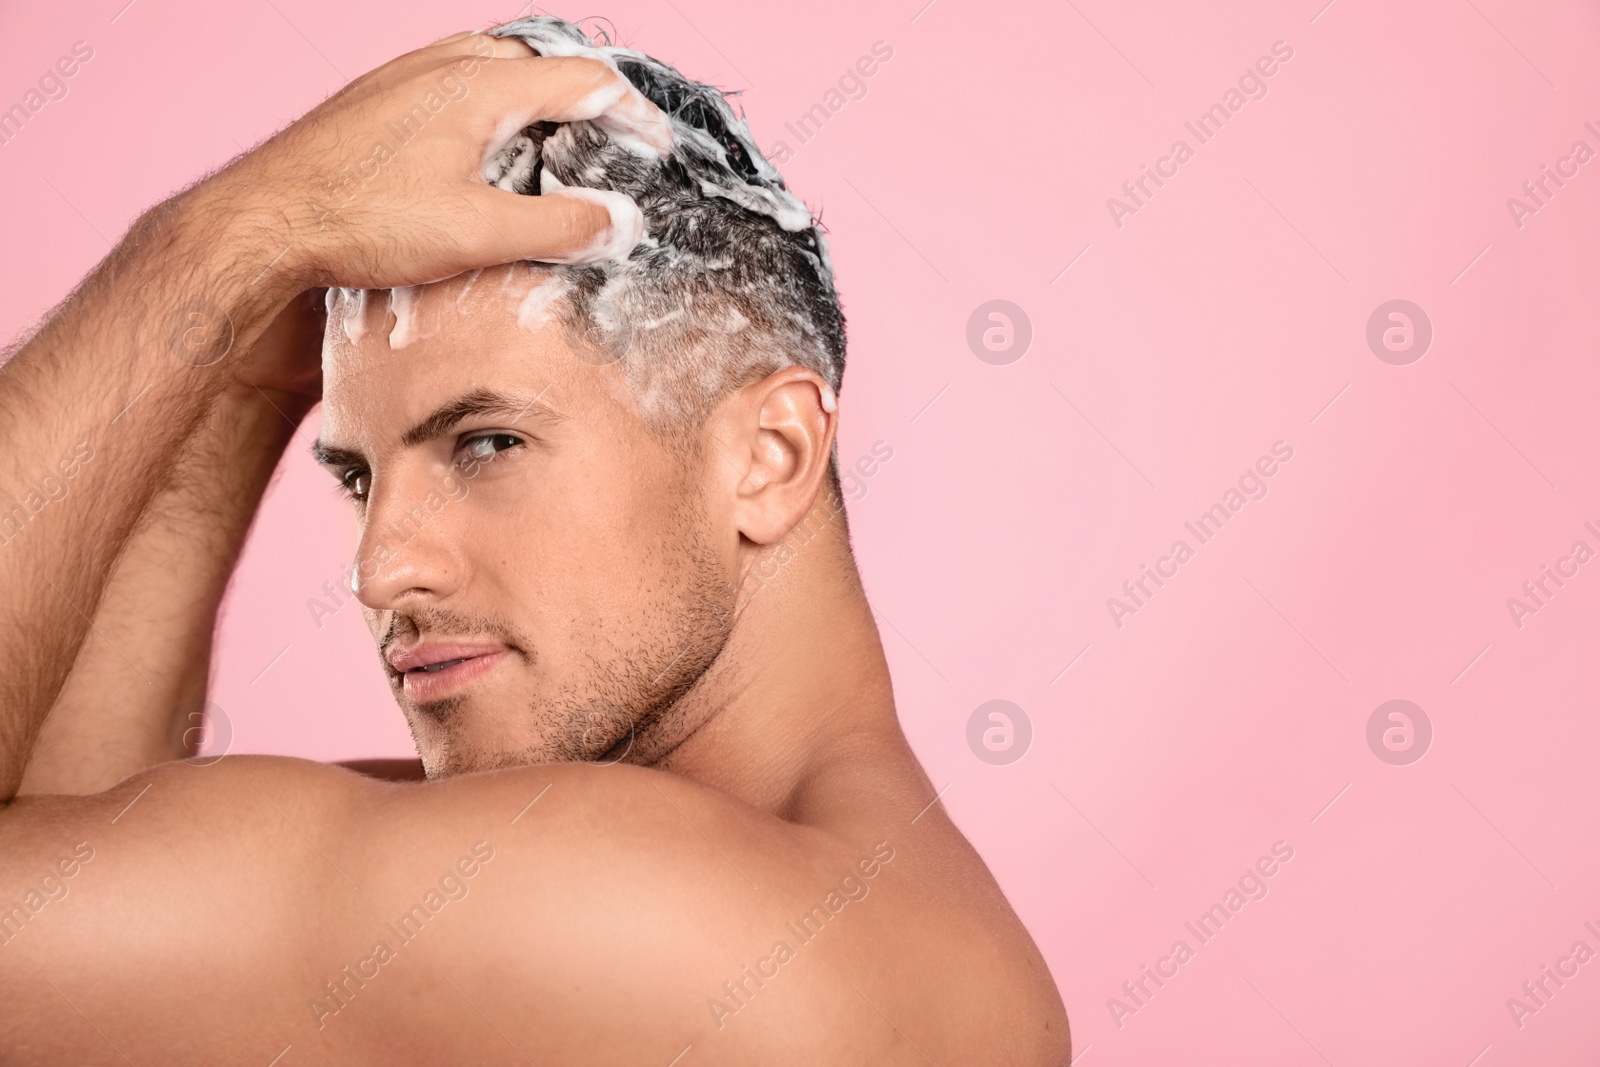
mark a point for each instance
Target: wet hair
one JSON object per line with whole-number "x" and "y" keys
{"x": 732, "y": 279}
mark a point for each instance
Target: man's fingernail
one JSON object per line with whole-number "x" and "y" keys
{"x": 454, "y": 37}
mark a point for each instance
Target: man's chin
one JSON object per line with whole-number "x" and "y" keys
{"x": 452, "y": 762}
{"x": 448, "y": 751}
{"x": 455, "y": 757}
{"x": 462, "y": 734}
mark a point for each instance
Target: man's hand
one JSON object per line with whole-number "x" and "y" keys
{"x": 381, "y": 185}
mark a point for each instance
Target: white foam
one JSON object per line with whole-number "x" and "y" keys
{"x": 403, "y": 303}
{"x": 629, "y": 120}
{"x": 472, "y": 279}
{"x": 508, "y": 129}
{"x": 354, "y": 320}
{"x": 617, "y": 107}
{"x": 656, "y": 324}
{"x": 789, "y": 212}
{"x": 508, "y": 278}
{"x": 533, "y": 313}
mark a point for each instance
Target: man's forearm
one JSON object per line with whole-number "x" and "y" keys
{"x": 139, "y": 681}
{"x": 131, "y": 365}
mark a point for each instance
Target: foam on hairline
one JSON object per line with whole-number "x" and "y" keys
{"x": 402, "y": 304}
{"x": 535, "y": 310}
{"x": 527, "y": 291}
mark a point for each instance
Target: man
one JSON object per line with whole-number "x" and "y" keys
{"x": 670, "y": 816}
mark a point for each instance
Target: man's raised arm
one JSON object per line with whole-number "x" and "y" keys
{"x": 139, "y": 683}
{"x": 114, "y": 386}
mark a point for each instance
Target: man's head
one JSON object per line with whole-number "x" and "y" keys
{"x": 565, "y": 472}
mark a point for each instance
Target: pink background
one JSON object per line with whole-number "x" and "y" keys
{"x": 1224, "y": 316}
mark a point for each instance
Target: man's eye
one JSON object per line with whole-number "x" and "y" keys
{"x": 356, "y": 482}
{"x": 486, "y": 446}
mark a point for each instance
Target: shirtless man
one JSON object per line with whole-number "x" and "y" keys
{"x": 669, "y": 815}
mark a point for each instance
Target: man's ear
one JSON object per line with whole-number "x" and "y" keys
{"x": 775, "y": 436}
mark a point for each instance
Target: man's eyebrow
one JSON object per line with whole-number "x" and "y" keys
{"x": 333, "y": 456}
{"x": 477, "y": 402}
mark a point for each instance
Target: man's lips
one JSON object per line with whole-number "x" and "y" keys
{"x": 434, "y": 655}
{"x": 431, "y": 670}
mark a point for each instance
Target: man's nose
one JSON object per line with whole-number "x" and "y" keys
{"x": 407, "y": 553}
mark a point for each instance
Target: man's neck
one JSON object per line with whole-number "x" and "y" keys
{"x": 800, "y": 682}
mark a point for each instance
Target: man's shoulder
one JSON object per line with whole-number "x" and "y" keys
{"x": 599, "y": 829}
{"x": 560, "y": 908}
{"x": 622, "y": 901}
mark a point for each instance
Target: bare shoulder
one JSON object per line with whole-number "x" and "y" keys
{"x": 555, "y": 910}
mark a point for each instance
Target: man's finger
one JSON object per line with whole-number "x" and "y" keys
{"x": 482, "y": 45}
{"x": 571, "y": 89}
{"x": 461, "y": 50}
{"x": 567, "y": 225}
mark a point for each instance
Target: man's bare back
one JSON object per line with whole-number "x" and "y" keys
{"x": 754, "y": 870}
